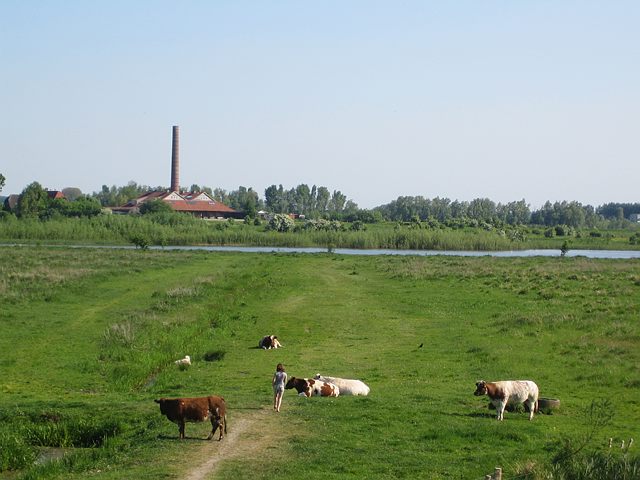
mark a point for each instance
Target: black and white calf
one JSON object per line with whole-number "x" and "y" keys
{"x": 510, "y": 392}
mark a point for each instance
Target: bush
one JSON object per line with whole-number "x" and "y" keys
{"x": 281, "y": 223}
{"x": 140, "y": 241}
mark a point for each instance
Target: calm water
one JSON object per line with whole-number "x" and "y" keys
{"x": 620, "y": 254}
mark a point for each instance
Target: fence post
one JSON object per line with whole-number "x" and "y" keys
{"x": 497, "y": 475}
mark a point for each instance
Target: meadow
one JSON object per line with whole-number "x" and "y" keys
{"x": 89, "y": 338}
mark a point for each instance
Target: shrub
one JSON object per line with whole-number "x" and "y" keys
{"x": 281, "y": 223}
{"x": 140, "y": 241}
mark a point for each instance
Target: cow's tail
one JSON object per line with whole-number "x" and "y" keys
{"x": 225, "y": 423}
{"x": 535, "y": 407}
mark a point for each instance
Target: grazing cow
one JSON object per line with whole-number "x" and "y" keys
{"x": 200, "y": 409}
{"x": 269, "y": 342}
{"x": 346, "y": 385}
{"x": 510, "y": 392}
{"x": 311, "y": 387}
{"x": 183, "y": 361}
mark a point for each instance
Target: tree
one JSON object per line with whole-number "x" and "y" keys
{"x": 71, "y": 193}
{"x": 33, "y": 201}
{"x": 337, "y": 202}
{"x": 244, "y": 199}
{"x": 155, "y": 206}
{"x": 322, "y": 199}
{"x": 2, "y": 180}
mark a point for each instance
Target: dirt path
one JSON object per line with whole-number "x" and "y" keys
{"x": 248, "y": 436}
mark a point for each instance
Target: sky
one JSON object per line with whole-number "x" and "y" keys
{"x": 506, "y": 100}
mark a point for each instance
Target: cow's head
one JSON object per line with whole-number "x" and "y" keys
{"x": 292, "y": 382}
{"x": 481, "y": 388}
{"x": 317, "y": 376}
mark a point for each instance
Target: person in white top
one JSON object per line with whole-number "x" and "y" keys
{"x": 278, "y": 382}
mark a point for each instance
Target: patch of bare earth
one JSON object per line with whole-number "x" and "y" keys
{"x": 249, "y": 435}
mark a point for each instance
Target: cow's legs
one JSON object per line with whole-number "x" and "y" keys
{"x": 500, "y": 408}
{"x": 181, "y": 428}
{"x": 532, "y": 406}
{"x": 216, "y": 422}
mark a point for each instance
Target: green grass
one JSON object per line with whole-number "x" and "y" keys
{"x": 89, "y": 337}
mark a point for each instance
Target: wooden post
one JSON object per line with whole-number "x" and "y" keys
{"x": 497, "y": 475}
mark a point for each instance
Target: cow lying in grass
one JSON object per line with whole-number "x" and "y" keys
{"x": 268, "y": 342}
{"x": 310, "y": 387}
{"x": 200, "y": 409}
{"x": 510, "y": 392}
{"x": 346, "y": 385}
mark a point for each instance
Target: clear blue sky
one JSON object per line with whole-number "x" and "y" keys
{"x": 461, "y": 99}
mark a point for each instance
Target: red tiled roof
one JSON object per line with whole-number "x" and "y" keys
{"x": 185, "y": 205}
{"x": 198, "y": 206}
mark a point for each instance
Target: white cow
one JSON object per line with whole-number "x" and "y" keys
{"x": 510, "y": 392}
{"x": 346, "y": 385}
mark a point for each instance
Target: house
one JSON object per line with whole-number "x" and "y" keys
{"x": 635, "y": 217}
{"x": 198, "y": 204}
{"x": 55, "y": 194}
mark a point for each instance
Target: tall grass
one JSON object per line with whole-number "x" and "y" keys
{"x": 185, "y": 230}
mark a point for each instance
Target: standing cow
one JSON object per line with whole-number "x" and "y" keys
{"x": 510, "y": 392}
{"x": 200, "y": 409}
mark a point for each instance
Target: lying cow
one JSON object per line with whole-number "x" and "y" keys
{"x": 268, "y": 342}
{"x": 200, "y": 409}
{"x": 312, "y": 387}
{"x": 346, "y": 385}
{"x": 510, "y": 392}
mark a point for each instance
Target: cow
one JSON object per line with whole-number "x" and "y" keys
{"x": 268, "y": 342}
{"x": 346, "y": 385}
{"x": 199, "y": 409}
{"x": 312, "y": 387}
{"x": 510, "y": 392}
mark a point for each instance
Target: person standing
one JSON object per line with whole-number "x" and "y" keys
{"x": 278, "y": 382}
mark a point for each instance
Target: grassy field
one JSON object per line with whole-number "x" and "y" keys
{"x": 89, "y": 338}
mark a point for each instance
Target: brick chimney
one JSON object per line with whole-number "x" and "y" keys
{"x": 175, "y": 160}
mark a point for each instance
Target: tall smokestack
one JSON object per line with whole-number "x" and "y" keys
{"x": 175, "y": 160}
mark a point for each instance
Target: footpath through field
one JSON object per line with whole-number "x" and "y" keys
{"x": 251, "y": 433}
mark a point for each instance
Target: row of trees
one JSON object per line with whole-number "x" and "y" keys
{"x": 311, "y": 202}
{"x": 320, "y": 202}
{"x": 35, "y": 202}
{"x": 573, "y": 214}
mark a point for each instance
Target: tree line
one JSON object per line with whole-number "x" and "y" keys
{"x": 443, "y": 210}
{"x": 319, "y": 202}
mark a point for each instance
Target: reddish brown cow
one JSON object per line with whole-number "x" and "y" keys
{"x": 181, "y": 410}
{"x": 312, "y": 387}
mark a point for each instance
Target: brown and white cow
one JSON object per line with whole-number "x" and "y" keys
{"x": 510, "y": 392}
{"x": 347, "y": 386}
{"x": 268, "y": 342}
{"x": 311, "y": 387}
{"x": 199, "y": 409}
